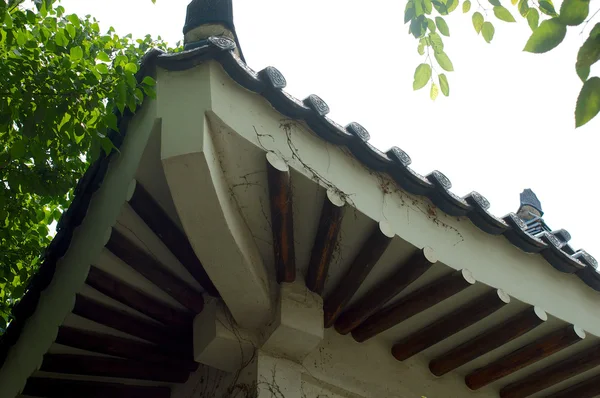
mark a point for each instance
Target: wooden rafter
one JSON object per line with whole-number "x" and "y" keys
{"x": 376, "y": 298}
{"x": 589, "y": 388}
{"x": 370, "y": 252}
{"x": 61, "y": 388}
{"x": 176, "y": 339}
{"x": 122, "y": 348}
{"x": 525, "y": 356}
{"x": 488, "y": 340}
{"x": 154, "y": 271}
{"x": 325, "y": 243}
{"x": 136, "y": 299}
{"x": 282, "y": 217}
{"x": 553, "y": 374}
{"x": 413, "y": 304}
{"x": 92, "y": 365}
{"x": 450, "y": 324}
{"x": 167, "y": 230}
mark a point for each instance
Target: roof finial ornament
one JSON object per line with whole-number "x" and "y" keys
{"x": 206, "y": 18}
{"x": 531, "y": 206}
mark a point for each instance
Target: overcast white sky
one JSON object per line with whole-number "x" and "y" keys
{"x": 507, "y": 125}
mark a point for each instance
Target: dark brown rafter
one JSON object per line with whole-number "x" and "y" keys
{"x": 586, "y": 389}
{"x": 413, "y": 304}
{"x": 369, "y": 254}
{"x": 177, "y": 340}
{"x": 167, "y": 230}
{"x": 282, "y": 218}
{"x": 377, "y": 297}
{"x": 154, "y": 271}
{"x": 525, "y": 356}
{"x": 488, "y": 341}
{"x": 123, "y": 348}
{"x": 138, "y": 300}
{"x": 450, "y": 324}
{"x": 92, "y": 365}
{"x": 553, "y": 374}
{"x": 61, "y": 388}
{"x": 325, "y": 243}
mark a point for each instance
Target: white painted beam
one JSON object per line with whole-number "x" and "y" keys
{"x": 203, "y": 199}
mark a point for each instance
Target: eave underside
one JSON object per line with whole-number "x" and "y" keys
{"x": 299, "y": 208}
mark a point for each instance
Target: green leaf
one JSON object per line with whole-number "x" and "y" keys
{"x": 523, "y": 7}
{"x": 102, "y": 56}
{"x": 547, "y": 8}
{"x": 433, "y": 92}
{"x": 418, "y": 26}
{"x": 442, "y": 26}
{"x": 574, "y": 12}
{"x": 149, "y": 91}
{"x": 421, "y": 46}
{"x": 588, "y": 102}
{"x": 71, "y": 30}
{"x": 409, "y": 11}
{"x": 76, "y": 53}
{"x": 548, "y": 35}
{"x": 419, "y": 10}
{"x": 21, "y": 38}
{"x": 503, "y": 14}
{"x": 444, "y": 84}
{"x": 477, "y": 21}
{"x": 495, "y": 3}
{"x": 589, "y": 52}
{"x": 443, "y": 60}
{"x": 111, "y": 122}
{"x": 17, "y": 150}
{"x": 102, "y": 68}
{"x": 422, "y": 76}
{"x": 149, "y": 81}
{"x": 120, "y": 60}
{"x": 121, "y": 96}
{"x": 107, "y": 145}
{"x": 440, "y": 6}
{"x": 583, "y": 72}
{"x": 427, "y": 6}
{"x": 131, "y": 67}
{"x": 466, "y": 6}
{"x": 451, "y": 5}
{"x": 436, "y": 42}
{"x": 487, "y": 30}
{"x": 533, "y": 18}
{"x": 431, "y": 25}
{"x": 74, "y": 19}
{"x": 8, "y": 22}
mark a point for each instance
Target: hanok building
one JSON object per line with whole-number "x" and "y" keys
{"x": 241, "y": 244}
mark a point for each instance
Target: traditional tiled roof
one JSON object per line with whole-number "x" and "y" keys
{"x": 270, "y": 83}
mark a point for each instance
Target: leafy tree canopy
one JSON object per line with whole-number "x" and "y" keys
{"x": 549, "y": 27}
{"x": 61, "y": 80}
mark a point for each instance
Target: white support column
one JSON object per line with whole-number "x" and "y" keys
{"x": 218, "y": 342}
{"x": 268, "y": 377}
{"x": 275, "y": 370}
{"x": 297, "y": 327}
